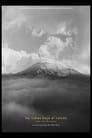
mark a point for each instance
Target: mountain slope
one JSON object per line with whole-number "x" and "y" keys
{"x": 48, "y": 69}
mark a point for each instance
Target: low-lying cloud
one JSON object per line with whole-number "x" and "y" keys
{"x": 42, "y": 97}
{"x": 13, "y": 61}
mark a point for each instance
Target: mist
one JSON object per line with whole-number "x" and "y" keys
{"x": 43, "y": 97}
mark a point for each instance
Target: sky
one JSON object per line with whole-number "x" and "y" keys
{"x": 49, "y": 33}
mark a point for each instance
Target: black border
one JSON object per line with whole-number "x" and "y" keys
{"x": 44, "y": 3}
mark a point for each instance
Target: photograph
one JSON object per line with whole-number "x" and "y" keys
{"x": 45, "y": 68}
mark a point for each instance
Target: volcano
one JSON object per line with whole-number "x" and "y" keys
{"x": 48, "y": 69}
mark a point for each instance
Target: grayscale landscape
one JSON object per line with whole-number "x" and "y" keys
{"x": 45, "y": 68}
{"x": 69, "y": 96}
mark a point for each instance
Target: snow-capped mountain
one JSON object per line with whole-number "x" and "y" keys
{"x": 48, "y": 69}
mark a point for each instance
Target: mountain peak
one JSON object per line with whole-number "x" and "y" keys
{"x": 48, "y": 69}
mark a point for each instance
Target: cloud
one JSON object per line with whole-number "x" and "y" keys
{"x": 13, "y": 17}
{"x": 31, "y": 97}
{"x": 77, "y": 64}
{"x": 53, "y": 47}
{"x": 62, "y": 29}
{"x": 38, "y": 32}
{"x": 13, "y": 61}
{"x": 26, "y": 62}
{"x": 66, "y": 29}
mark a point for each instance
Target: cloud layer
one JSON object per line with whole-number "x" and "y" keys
{"x": 14, "y": 61}
{"x": 41, "y": 97}
{"x": 53, "y": 47}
